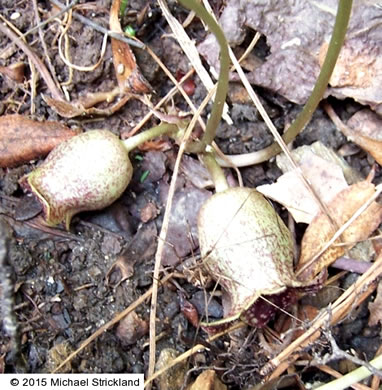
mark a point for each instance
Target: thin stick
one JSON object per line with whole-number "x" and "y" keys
{"x": 43, "y": 43}
{"x": 163, "y": 236}
{"x": 63, "y": 10}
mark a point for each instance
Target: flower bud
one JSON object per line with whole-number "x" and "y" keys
{"x": 248, "y": 250}
{"x": 87, "y": 172}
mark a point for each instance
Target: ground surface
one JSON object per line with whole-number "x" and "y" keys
{"x": 66, "y": 285}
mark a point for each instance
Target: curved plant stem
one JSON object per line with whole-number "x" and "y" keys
{"x": 222, "y": 88}
{"x": 164, "y": 128}
{"x": 215, "y": 171}
{"x": 337, "y": 39}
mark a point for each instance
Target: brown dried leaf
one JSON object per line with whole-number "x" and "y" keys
{"x": 208, "y": 380}
{"x": 23, "y": 139}
{"x": 14, "y": 71}
{"x": 375, "y": 308}
{"x": 130, "y": 78}
{"x": 131, "y": 329}
{"x": 321, "y": 230}
{"x": 364, "y": 129}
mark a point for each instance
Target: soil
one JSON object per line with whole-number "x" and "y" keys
{"x": 66, "y": 285}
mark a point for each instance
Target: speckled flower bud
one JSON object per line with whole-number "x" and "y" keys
{"x": 87, "y": 172}
{"x": 248, "y": 250}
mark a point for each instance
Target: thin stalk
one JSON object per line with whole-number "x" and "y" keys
{"x": 215, "y": 171}
{"x": 222, "y": 87}
{"x": 336, "y": 41}
{"x": 138, "y": 139}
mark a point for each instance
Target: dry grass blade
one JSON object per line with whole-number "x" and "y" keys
{"x": 43, "y": 43}
{"x": 192, "y": 53}
{"x": 111, "y": 323}
{"x": 351, "y": 298}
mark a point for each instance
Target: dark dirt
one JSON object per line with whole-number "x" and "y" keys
{"x": 66, "y": 285}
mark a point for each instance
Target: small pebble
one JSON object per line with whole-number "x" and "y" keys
{"x": 15, "y": 15}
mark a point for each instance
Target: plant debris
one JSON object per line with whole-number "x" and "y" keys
{"x": 299, "y": 42}
{"x": 23, "y": 139}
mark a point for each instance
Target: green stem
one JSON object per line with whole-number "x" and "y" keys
{"x": 336, "y": 41}
{"x": 215, "y": 171}
{"x": 164, "y": 128}
{"x": 122, "y": 8}
{"x": 222, "y": 87}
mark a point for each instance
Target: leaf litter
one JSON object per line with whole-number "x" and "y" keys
{"x": 95, "y": 261}
{"x": 298, "y": 42}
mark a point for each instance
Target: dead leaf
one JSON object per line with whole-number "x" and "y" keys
{"x": 156, "y": 144}
{"x": 365, "y": 130}
{"x": 14, "y": 71}
{"x": 182, "y": 237}
{"x": 208, "y": 380}
{"x": 130, "y": 78}
{"x": 141, "y": 248}
{"x": 320, "y": 231}
{"x": 295, "y": 45}
{"x": 325, "y": 177}
{"x": 131, "y": 328}
{"x": 196, "y": 172}
{"x": 352, "y": 176}
{"x": 23, "y": 139}
{"x": 375, "y": 308}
